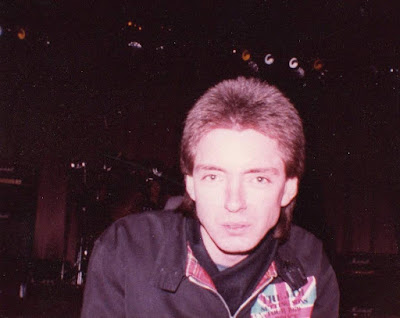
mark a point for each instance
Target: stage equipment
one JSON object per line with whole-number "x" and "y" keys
{"x": 18, "y": 200}
{"x": 82, "y": 200}
{"x": 369, "y": 284}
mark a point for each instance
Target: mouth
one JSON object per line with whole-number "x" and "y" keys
{"x": 235, "y": 228}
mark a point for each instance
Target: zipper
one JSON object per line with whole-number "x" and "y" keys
{"x": 253, "y": 295}
{"x": 198, "y": 283}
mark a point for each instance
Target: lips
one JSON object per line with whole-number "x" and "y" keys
{"x": 236, "y": 228}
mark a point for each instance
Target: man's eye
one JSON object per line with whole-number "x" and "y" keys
{"x": 262, "y": 180}
{"x": 211, "y": 177}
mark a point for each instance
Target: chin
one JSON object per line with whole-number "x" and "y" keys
{"x": 241, "y": 248}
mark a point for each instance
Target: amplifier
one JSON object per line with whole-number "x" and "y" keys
{"x": 369, "y": 285}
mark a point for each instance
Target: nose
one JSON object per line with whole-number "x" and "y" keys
{"x": 235, "y": 200}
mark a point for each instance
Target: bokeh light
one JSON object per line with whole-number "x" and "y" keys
{"x": 318, "y": 65}
{"x": 246, "y": 55}
{"x": 21, "y": 34}
{"x": 293, "y": 63}
{"x": 269, "y": 59}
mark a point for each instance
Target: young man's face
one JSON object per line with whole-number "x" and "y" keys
{"x": 239, "y": 186}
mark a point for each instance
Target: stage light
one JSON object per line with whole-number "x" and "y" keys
{"x": 318, "y": 65}
{"x": 130, "y": 23}
{"x": 135, "y": 45}
{"x": 78, "y": 165}
{"x": 246, "y": 55}
{"x": 253, "y": 66}
{"x": 269, "y": 59}
{"x": 293, "y": 63}
{"x": 300, "y": 72}
{"x": 21, "y": 34}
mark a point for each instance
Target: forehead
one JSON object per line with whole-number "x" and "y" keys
{"x": 237, "y": 149}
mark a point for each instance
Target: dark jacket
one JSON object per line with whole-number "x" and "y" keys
{"x": 142, "y": 266}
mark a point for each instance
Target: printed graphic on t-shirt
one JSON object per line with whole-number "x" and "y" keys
{"x": 279, "y": 301}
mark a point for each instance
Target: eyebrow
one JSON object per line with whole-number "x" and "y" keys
{"x": 273, "y": 171}
{"x": 203, "y": 167}
{"x": 209, "y": 168}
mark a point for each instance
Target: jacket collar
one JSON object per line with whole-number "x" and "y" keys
{"x": 289, "y": 267}
{"x": 175, "y": 258}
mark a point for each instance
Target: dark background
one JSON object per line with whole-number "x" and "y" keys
{"x": 75, "y": 89}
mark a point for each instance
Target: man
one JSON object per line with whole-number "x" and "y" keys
{"x": 234, "y": 252}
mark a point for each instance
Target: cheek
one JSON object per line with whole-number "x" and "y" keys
{"x": 209, "y": 194}
{"x": 264, "y": 198}
{"x": 266, "y": 205}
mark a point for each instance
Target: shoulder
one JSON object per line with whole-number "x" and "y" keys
{"x": 141, "y": 229}
{"x": 309, "y": 251}
{"x": 306, "y": 248}
{"x": 301, "y": 238}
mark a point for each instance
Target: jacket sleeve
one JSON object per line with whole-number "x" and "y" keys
{"x": 104, "y": 289}
{"x": 328, "y": 295}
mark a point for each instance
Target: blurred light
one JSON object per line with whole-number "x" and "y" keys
{"x": 293, "y": 63}
{"x": 130, "y": 23}
{"x": 300, "y": 72}
{"x": 156, "y": 172}
{"x": 269, "y": 59}
{"x": 78, "y": 165}
{"x": 140, "y": 28}
{"x": 253, "y": 65}
{"x": 1, "y": 31}
{"x": 21, "y": 34}
{"x": 246, "y": 55}
{"x": 234, "y": 51}
{"x": 135, "y": 45}
{"x": 318, "y": 65}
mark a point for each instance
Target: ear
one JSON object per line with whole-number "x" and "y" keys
{"x": 190, "y": 187}
{"x": 290, "y": 191}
